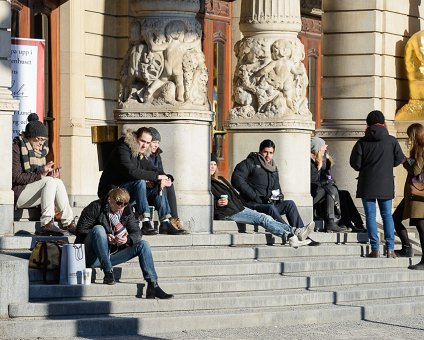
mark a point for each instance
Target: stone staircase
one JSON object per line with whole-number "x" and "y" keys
{"x": 221, "y": 280}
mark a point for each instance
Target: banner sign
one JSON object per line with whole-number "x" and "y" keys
{"x": 27, "y": 64}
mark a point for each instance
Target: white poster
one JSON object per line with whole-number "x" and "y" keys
{"x": 27, "y": 63}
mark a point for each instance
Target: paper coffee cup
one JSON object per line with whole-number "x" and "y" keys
{"x": 86, "y": 273}
{"x": 224, "y": 196}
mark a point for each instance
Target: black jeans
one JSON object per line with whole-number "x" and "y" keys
{"x": 275, "y": 210}
{"x": 324, "y": 203}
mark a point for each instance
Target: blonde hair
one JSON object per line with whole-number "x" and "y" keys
{"x": 119, "y": 195}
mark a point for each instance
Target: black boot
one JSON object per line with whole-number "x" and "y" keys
{"x": 406, "y": 251}
{"x": 153, "y": 291}
{"x": 167, "y": 228}
{"x": 148, "y": 228}
{"x": 109, "y": 278}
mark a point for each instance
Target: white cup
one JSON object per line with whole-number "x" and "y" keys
{"x": 86, "y": 273}
{"x": 224, "y": 197}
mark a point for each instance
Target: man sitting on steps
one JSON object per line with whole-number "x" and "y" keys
{"x": 256, "y": 179}
{"x": 111, "y": 235}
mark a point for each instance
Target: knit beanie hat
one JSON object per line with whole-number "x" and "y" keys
{"x": 316, "y": 144}
{"x": 155, "y": 134}
{"x": 214, "y": 158}
{"x": 35, "y": 128}
{"x": 375, "y": 117}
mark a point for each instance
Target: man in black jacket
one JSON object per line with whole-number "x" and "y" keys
{"x": 128, "y": 167}
{"x": 256, "y": 179}
{"x": 111, "y": 235}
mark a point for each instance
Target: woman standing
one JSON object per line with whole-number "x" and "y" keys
{"x": 36, "y": 183}
{"x": 401, "y": 231}
{"x": 414, "y": 201}
{"x": 374, "y": 156}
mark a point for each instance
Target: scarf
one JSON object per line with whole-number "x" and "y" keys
{"x": 267, "y": 166}
{"x": 118, "y": 229}
{"x": 32, "y": 160}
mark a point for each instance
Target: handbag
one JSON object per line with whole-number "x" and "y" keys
{"x": 46, "y": 256}
{"x": 416, "y": 186}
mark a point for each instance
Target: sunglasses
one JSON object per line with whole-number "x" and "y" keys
{"x": 120, "y": 203}
{"x": 40, "y": 139}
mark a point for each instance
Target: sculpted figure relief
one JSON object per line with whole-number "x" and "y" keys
{"x": 270, "y": 79}
{"x": 164, "y": 64}
{"x": 414, "y": 64}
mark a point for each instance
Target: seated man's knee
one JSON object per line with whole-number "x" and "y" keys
{"x": 98, "y": 230}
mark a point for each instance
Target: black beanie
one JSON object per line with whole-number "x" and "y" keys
{"x": 35, "y": 128}
{"x": 214, "y": 158}
{"x": 375, "y": 117}
{"x": 155, "y": 134}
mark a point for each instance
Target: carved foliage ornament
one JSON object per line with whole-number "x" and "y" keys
{"x": 270, "y": 79}
{"x": 164, "y": 64}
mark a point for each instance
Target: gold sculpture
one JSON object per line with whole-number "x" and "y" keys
{"x": 414, "y": 63}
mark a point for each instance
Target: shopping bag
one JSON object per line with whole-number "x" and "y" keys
{"x": 72, "y": 264}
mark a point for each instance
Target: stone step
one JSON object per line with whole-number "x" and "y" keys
{"x": 218, "y": 239}
{"x": 213, "y": 268}
{"x": 162, "y": 322}
{"x": 218, "y": 301}
{"x": 241, "y": 283}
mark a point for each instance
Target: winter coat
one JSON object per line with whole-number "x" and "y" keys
{"x": 126, "y": 164}
{"x": 318, "y": 177}
{"x": 96, "y": 214}
{"x": 234, "y": 206}
{"x": 413, "y": 208}
{"x": 253, "y": 181}
{"x": 20, "y": 178}
{"x": 156, "y": 160}
{"x": 374, "y": 156}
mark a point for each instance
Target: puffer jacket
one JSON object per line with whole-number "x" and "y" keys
{"x": 374, "y": 156}
{"x": 253, "y": 181}
{"x": 222, "y": 187}
{"x": 96, "y": 214}
{"x": 126, "y": 164}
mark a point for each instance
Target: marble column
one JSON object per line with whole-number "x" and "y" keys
{"x": 269, "y": 91}
{"x": 363, "y": 70}
{"x": 164, "y": 84}
{"x": 7, "y": 106}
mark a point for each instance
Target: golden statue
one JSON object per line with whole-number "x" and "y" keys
{"x": 414, "y": 63}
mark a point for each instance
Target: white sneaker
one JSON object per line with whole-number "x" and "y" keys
{"x": 303, "y": 233}
{"x": 295, "y": 243}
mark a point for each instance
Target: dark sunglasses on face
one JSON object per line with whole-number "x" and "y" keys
{"x": 120, "y": 204}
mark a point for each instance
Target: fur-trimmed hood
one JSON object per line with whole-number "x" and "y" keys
{"x": 131, "y": 140}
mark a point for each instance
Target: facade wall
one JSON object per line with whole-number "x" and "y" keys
{"x": 363, "y": 70}
{"x": 93, "y": 41}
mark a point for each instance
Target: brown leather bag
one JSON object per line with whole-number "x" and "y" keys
{"x": 46, "y": 256}
{"x": 416, "y": 187}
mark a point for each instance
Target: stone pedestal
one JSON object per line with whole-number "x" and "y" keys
{"x": 269, "y": 91}
{"x": 164, "y": 85}
{"x": 7, "y": 106}
{"x": 14, "y": 282}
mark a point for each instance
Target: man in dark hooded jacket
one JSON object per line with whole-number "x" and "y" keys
{"x": 256, "y": 179}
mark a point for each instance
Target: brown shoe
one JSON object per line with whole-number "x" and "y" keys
{"x": 50, "y": 229}
{"x": 373, "y": 254}
{"x": 178, "y": 224}
{"x": 391, "y": 254}
{"x": 71, "y": 227}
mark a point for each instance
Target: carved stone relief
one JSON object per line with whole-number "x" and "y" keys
{"x": 270, "y": 79}
{"x": 164, "y": 64}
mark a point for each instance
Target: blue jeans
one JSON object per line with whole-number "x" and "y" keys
{"x": 275, "y": 210}
{"x": 388, "y": 225}
{"x": 253, "y": 217}
{"x": 97, "y": 254}
{"x": 141, "y": 195}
